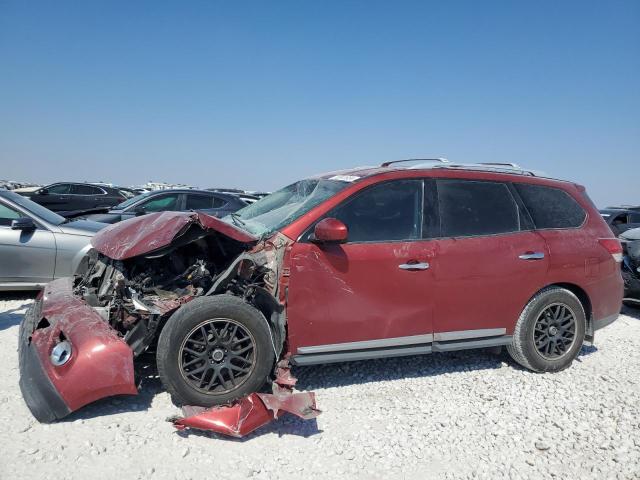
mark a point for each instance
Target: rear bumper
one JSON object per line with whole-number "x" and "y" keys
{"x": 100, "y": 364}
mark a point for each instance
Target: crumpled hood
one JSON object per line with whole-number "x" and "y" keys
{"x": 141, "y": 235}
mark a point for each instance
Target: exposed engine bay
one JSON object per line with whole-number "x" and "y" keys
{"x": 137, "y": 295}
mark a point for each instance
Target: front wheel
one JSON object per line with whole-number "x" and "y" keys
{"x": 550, "y": 331}
{"x": 214, "y": 350}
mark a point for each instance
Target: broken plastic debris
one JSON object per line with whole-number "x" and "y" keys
{"x": 253, "y": 411}
{"x": 249, "y": 413}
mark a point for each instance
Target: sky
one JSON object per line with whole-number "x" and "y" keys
{"x": 259, "y": 94}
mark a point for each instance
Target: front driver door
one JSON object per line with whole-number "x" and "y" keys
{"x": 371, "y": 295}
{"x": 26, "y": 256}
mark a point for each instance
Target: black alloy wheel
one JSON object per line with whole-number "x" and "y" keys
{"x": 555, "y": 331}
{"x": 217, "y": 356}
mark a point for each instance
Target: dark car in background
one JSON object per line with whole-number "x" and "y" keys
{"x": 73, "y": 199}
{"x": 38, "y": 245}
{"x": 621, "y": 219}
{"x": 630, "y": 240}
{"x": 217, "y": 204}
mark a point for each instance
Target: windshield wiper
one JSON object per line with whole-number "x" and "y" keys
{"x": 237, "y": 219}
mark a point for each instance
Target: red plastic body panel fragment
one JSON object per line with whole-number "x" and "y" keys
{"x": 101, "y": 363}
{"x": 253, "y": 411}
{"x": 249, "y": 413}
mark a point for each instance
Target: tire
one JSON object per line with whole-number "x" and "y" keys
{"x": 538, "y": 318}
{"x": 191, "y": 329}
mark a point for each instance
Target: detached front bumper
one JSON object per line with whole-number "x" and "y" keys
{"x": 99, "y": 363}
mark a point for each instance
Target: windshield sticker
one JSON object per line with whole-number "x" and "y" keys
{"x": 345, "y": 178}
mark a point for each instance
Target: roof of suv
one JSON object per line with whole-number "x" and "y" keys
{"x": 358, "y": 173}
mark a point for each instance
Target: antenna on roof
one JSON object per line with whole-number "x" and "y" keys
{"x": 441, "y": 160}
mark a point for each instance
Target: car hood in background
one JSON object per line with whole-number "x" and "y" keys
{"x": 112, "y": 216}
{"x": 142, "y": 235}
{"x": 82, "y": 227}
{"x": 631, "y": 235}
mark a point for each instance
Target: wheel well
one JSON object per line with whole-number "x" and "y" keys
{"x": 582, "y": 296}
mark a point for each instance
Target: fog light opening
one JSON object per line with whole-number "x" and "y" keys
{"x": 61, "y": 353}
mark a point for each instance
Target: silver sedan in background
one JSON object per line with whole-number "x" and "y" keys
{"x": 38, "y": 245}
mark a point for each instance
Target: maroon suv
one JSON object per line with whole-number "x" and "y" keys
{"x": 351, "y": 265}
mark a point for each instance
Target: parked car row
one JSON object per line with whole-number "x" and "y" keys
{"x": 38, "y": 244}
{"x": 117, "y": 203}
{"x": 213, "y": 203}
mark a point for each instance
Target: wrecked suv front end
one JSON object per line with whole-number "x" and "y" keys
{"x": 79, "y": 341}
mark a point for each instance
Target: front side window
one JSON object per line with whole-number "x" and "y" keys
{"x": 385, "y": 212}
{"x": 551, "y": 207}
{"x": 469, "y": 208}
{"x": 7, "y": 215}
{"x": 161, "y": 203}
{"x": 59, "y": 189}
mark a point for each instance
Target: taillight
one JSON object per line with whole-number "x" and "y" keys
{"x": 613, "y": 246}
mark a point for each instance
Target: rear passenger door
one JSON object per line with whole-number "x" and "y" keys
{"x": 489, "y": 262}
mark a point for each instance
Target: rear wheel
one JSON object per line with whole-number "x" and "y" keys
{"x": 550, "y": 331}
{"x": 214, "y": 350}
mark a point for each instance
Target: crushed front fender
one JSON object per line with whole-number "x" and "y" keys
{"x": 98, "y": 363}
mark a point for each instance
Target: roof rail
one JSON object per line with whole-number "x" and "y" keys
{"x": 441, "y": 160}
{"x": 501, "y": 164}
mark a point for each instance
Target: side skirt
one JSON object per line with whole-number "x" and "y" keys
{"x": 399, "y": 351}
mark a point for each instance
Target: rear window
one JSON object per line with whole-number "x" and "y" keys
{"x": 469, "y": 208}
{"x": 551, "y": 207}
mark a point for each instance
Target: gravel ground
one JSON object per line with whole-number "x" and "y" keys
{"x": 458, "y": 415}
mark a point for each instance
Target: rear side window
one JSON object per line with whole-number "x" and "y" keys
{"x": 198, "y": 202}
{"x": 218, "y": 202}
{"x": 551, "y": 207}
{"x": 85, "y": 190}
{"x": 469, "y": 208}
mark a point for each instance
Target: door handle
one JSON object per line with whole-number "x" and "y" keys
{"x": 414, "y": 266}
{"x": 532, "y": 256}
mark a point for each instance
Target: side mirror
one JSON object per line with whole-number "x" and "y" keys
{"x": 43, "y": 191}
{"x": 139, "y": 211}
{"x": 330, "y": 230}
{"x": 23, "y": 223}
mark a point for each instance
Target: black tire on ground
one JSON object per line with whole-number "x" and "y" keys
{"x": 523, "y": 347}
{"x": 186, "y": 323}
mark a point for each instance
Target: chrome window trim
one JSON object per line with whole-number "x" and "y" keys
{"x": 403, "y": 341}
